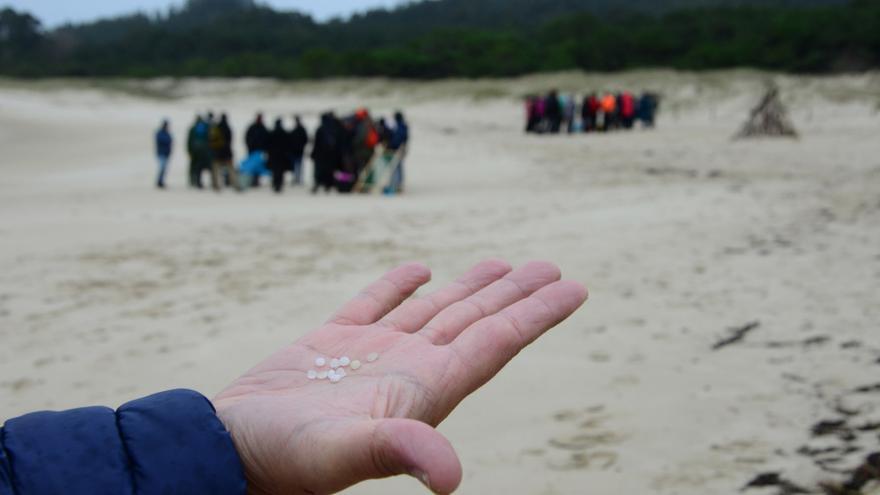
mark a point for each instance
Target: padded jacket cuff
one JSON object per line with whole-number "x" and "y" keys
{"x": 168, "y": 443}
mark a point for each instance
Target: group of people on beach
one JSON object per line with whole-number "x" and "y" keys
{"x": 354, "y": 153}
{"x": 555, "y": 112}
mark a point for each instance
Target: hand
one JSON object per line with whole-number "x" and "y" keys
{"x": 301, "y": 436}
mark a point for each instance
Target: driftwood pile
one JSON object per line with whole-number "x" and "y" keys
{"x": 768, "y": 119}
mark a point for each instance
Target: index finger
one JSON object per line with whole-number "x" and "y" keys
{"x": 383, "y": 295}
{"x": 489, "y": 344}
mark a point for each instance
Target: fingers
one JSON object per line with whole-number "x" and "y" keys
{"x": 487, "y": 346}
{"x": 516, "y": 285}
{"x": 414, "y": 314}
{"x": 382, "y": 296}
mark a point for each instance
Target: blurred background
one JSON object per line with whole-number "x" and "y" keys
{"x": 432, "y": 39}
{"x": 730, "y": 243}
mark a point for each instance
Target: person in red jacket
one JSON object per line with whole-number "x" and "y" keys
{"x": 589, "y": 111}
{"x": 627, "y": 109}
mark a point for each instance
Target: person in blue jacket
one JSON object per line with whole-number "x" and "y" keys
{"x": 281, "y": 428}
{"x": 164, "y": 143}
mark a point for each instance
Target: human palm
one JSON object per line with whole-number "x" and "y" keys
{"x": 297, "y": 435}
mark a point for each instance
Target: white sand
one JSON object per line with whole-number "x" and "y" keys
{"x": 112, "y": 290}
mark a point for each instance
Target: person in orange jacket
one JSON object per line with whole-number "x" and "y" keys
{"x": 609, "y": 111}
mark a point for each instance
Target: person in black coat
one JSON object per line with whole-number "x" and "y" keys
{"x": 326, "y": 152}
{"x": 257, "y": 140}
{"x": 278, "y": 157}
{"x": 298, "y": 138}
{"x": 257, "y": 136}
{"x": 553, "y": 111}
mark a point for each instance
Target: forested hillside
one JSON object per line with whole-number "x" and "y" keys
{"x": 452, "y": 38}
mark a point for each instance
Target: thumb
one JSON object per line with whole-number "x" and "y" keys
{"x": 405, "y": 446}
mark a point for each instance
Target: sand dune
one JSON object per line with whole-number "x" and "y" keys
{"x": 112, "y": 290}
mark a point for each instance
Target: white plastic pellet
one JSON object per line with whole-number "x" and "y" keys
{"x": 334, "y": 363}
{"x": 322, "y": 375}
{"x": 312, "y": 374}
{"x": 355, "y": 364}
{"x": 335, "y": 378}
{"x": 344, "y": 361}
{"x": 341, "y": 373}
{"x": 320, "y": 362}
{"x": 372, "y": 357}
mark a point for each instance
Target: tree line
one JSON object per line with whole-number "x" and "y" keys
{"x": 448, "y": 38}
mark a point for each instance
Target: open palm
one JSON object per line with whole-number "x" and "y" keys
{"x": 299, "y": 435}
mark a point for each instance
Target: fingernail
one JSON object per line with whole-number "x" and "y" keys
{"x": 421, "y": 476}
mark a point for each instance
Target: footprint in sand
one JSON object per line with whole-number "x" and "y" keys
{"x": 21, "y": 384}
{"x": 586, "y": 442}
{"x": 43, "y": 361}
{"x": 586, "y": 460}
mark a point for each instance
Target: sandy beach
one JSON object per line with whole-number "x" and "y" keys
{"x": 112, "y": 290}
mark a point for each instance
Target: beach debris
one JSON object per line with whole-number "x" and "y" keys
{"x": 808, "y": 451}
{"x": 737, "y": 334}
{"x": 816, "y": 341}
{"x": 337, "y": 375}
{"x": 867, "y": 389}
{"x": 337, "y": 367}
{"x": 765, "y": 480}
{"x": 840, "y": 442}
{"x": 762, "y": 480}
{"x": 828, "y": 427}
{"x": 768, "y": 119}
{"x": 869, "y": 427}
{"x": 863, "y": 476}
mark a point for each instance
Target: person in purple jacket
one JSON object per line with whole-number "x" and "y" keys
{"x": 358, "y": 398}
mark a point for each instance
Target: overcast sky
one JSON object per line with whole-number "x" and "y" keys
{"x": 55, "y": 12}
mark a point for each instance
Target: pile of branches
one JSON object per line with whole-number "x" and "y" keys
{"x": 768, "y": 119}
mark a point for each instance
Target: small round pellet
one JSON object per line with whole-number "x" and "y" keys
{"x": 372, "y": 357}
{"x": 334, "y": 363}
{"x": 320, "y": 361}
{"x": 322, "y": 375}
{"x": 355, "y": 364}
{"x": 335, "y": 378}
{"x": 344, "y": 361}
{"x": 341, "y": 373}
{"x": 312, "y": 374}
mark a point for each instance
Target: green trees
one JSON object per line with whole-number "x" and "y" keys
{"x": 452, "y": 38}
{"x": 20, "y": 39}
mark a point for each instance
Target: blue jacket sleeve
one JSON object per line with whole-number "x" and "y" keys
{"x": 168, "y": 443}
